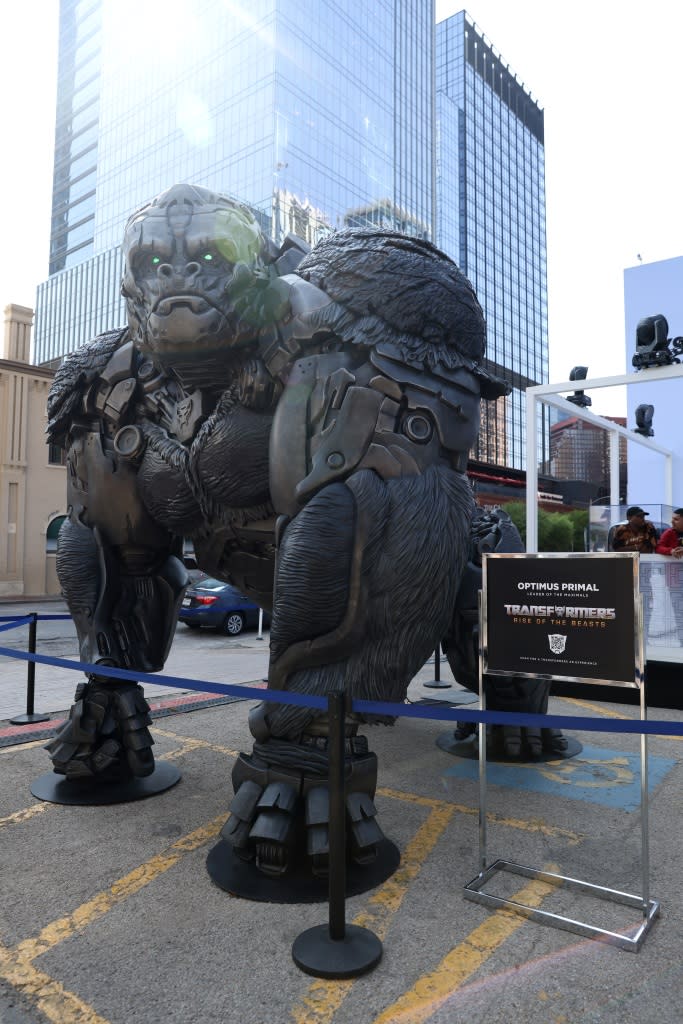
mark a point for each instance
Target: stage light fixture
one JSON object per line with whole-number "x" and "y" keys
{"x": 653, "y": 344}
{"x": 579, "y": 397}
{"x": 644, "y": 414}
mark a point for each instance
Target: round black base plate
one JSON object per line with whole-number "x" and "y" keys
{"x": 357, "y": 953}
{"x": 298, "y": 885}
{"x": 455, "y": 697}
{"x": 88, "y": 793}
{"x": 29, "y": 719}
{"x": 470, "y": 748}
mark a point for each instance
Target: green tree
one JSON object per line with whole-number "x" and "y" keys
{"x": 557, "y": 531}
{"x": 579, "y": 518}
{"x": 517, "y": 512}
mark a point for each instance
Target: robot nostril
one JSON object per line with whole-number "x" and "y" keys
{"x": 165, "y": 270}
{"x": 192, "y": 268}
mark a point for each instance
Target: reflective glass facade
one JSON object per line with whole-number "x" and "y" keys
{"x": 317, "y": 113}
{"x": 76, "y": 133}
{"x": 491, "y": 218}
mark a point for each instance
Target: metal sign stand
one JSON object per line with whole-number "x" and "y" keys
{"x": 475, "y": 891}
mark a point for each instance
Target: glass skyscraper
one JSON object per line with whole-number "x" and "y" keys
{"x": 316, "y": 113}
{"x": 491, "y": 218}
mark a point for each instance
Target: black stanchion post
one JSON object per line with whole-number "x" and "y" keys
{"x": 337, "y": 950}
{"x": 30, "y": 717}
{"x": 337, "y": 856}
{"x": 436, "y": 683}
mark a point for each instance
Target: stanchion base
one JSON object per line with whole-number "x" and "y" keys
{"x": 29, "y": 719}
{"x": 470, "y": 748}
{"x": 316, "y": 953}
{"x": 436, "y": 684}
{"x": 56, "y": 789}
{"x": 458, "y": 698}
{"x": 298, "y": 885}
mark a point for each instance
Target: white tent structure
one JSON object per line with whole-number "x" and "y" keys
{"x": 663, "y": 640}
{"x": 551, "y": 394}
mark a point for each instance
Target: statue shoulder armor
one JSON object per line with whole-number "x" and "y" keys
{"x": 109, "y": 358}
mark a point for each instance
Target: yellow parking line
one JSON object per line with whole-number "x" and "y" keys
{"x": 14, "y": 748}
{"x": 24, "y": 814}
{"x": 384, "y": 903}
{"x": 608, "y": 713}
{"x": 413, "y": 798}
{"x": 432, "y": 990}
{"x": 49, "y": 996}
{"x": 199, "y": 743}
{"x": 187, "y": 745}
{"x": 536, "y": 825}
{"x": 597, "y": 709}
{"x": 130, "y": 884}
{"x": 324, "y": 998}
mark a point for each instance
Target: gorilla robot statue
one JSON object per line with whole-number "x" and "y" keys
{"x": 304, "y": 418}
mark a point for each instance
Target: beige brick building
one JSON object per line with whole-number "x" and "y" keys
{"x": 32, "y": 474}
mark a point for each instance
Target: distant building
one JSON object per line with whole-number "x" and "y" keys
{"x": 319, "y": 116}
{"x": 32, "y": 474}
{"x": 491, "y": 219}
{"x": 309, "y": 113}
{"x": 580, "y": 451}
{"x": 495, "y": 486}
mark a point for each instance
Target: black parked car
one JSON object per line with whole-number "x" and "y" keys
{"x": 210, "y": 602}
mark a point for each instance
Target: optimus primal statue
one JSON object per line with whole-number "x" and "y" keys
{"x": 304, "y": 418}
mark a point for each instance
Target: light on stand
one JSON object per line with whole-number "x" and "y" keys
{"x": 579, "y": 397}
{"x": 644, "y": 414}
{"x": 652, "y": 343}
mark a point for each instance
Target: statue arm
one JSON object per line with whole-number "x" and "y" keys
{"x": 122, "y": 579}
{"x": 118, "y": 567}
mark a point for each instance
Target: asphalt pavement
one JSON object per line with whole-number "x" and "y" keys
{"x": 109, "y": 915}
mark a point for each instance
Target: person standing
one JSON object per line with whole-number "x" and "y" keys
{"x": 638, "y": 535}
{"x": 671, "y": 543}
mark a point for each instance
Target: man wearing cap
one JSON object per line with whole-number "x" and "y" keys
{"x": 638, "y": 535}
{"x": 635, "y": 534}
{"x": 671, "y": 543}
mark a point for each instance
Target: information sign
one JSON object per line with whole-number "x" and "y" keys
{"x": 571, "y": 617}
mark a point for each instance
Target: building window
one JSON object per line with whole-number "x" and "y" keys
{"x": 52, "y": 533}
{"x": 56, "y": 456}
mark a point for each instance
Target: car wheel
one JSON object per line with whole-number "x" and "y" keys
{"x": 233, "y": 624}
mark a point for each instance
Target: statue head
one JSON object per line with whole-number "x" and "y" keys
{"x": 190, "y": 256}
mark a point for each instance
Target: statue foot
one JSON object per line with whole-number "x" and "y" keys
{"x": 463, "y": 730}
{"x": 279, "y": 816}
{"x": 517, "y": 742}
{"x": 554, "y": 741}
{"x": 105, "y": 737}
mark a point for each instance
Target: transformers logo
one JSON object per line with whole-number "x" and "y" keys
{"x": 557, "y": 642}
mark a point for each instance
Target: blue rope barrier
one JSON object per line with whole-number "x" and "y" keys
{"x": 444, "y": 714}
{"x": 200, "y": 685}
{"x": 16, "y": 621}
{"x": 651, "y": 727}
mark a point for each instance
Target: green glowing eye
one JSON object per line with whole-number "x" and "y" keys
{"x": 156, "y": 260}
{"x": 207, "y": 256}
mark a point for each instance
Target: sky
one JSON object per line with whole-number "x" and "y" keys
{"x": 610, "y": 80}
